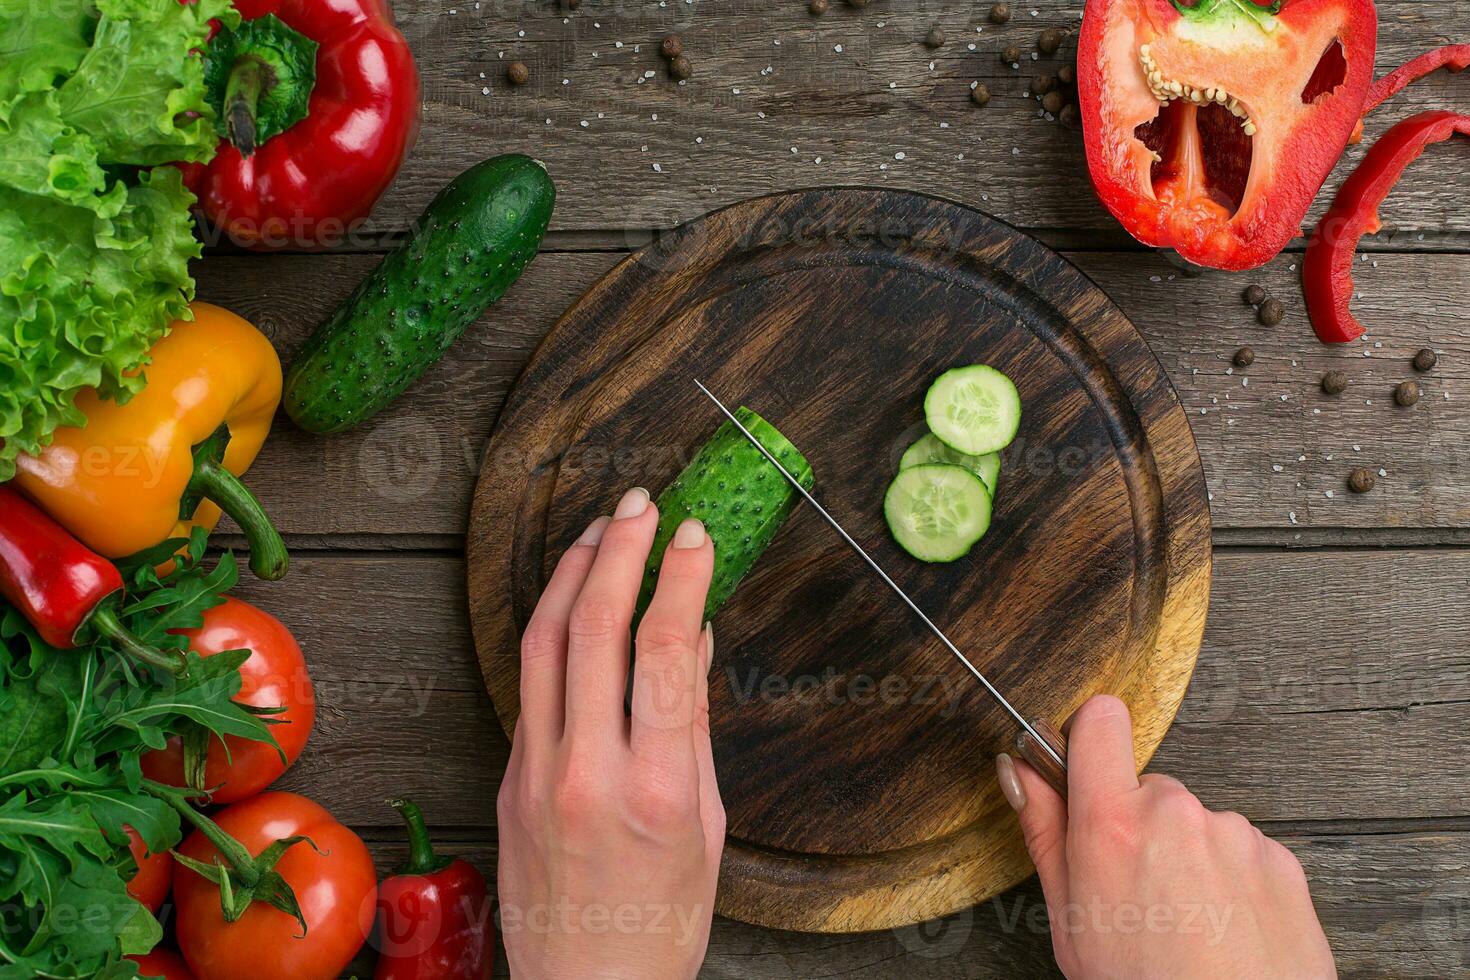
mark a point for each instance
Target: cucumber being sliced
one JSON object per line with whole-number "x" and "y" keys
{"x": 973, "y": 409}
{"x": 930, "y": 450}
{"x": 937, "y": 511}
{"x": 742, "y": 499}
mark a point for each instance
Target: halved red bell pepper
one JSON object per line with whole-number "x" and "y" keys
{"x": 1327, "y": 268}
{"x": 1210, "y": 128}
{"x": 319, "y": 104}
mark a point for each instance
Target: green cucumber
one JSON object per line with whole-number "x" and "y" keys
{"x": 974, "y": 409}
{"x": 742, "y": 499}
{"x": 937, "y": 511}
{"x": 466, "y": 249}
{"x": 930, "y": 450}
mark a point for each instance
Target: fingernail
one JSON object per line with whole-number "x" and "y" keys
{"x": 634, "y": 502}
{"x": 709, "y": 647}
{"x": 690, "y": 533}
{"x": 1010, "y": 782}
{"x": 592, "y": 537}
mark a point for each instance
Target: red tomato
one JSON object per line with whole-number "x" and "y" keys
{"x": 149, "y": 887}
{"x": 163, "y": 963}
{"x": 337, "y": 890}
{"x": 274, "y": 676}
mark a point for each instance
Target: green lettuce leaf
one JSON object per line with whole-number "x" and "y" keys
{"x": 137, "y": 93}
{"x": 94, "y": 252}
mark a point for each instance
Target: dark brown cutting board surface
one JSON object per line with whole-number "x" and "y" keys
{"x": 854, "y": 754}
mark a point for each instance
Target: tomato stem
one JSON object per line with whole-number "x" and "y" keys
{"x": 240, "y": 860}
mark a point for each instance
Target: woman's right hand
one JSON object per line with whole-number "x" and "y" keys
{"x": 1142, "y": 881}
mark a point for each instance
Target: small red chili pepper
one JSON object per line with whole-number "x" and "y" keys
{"x": 1455, "y": 57}
{"x": 68, "y": 593}
{"x": 318, "y": 101}
{"x": 1327, "y": 268}
{"x": 433, "y": 914}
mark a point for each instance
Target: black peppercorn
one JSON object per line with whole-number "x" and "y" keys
{"x": 1011, "y": 55}
{"x": 1000, "y": 13}
{"x": 1255, "y": 295}
{"x": 1245, "y": 357}
{"x": 1425, "y": 360}
{"x": 1362, "y": 479}
{"x": 1050, "y": 41}
{"x": 1407, "y": 393}
{"x": 817, "y": 8}
{"x": 1271, "y": 312}
{"x": 680, "y": 68}
{"x": 934, "y": 39}
{"x": 1042, "y": 84}
{"x": 1069, "y": 115}
{"x": 1052, "y": 102}
{"x": 517, "y": 73}
{"x": 1067, "y": 74}
{"x": 672, "y": 46}
{"x": 1334, "y": 382}
{"x": 980, "y": 95}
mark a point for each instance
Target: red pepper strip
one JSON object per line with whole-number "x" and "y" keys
{"x": 1455, "y": 57}
{"x": 433, "y": 914}
{"x": 1327, "y": 268}
{"x": 68, "y": 593}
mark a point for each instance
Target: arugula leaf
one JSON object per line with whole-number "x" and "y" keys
{"x": 73, "y": 727}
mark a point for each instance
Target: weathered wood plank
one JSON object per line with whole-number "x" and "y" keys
{"x": 846, "y": 94}
{"x": 1332, "y": 685}
{"x": 410, "y": 471}
{"x": 1385, "y": 914}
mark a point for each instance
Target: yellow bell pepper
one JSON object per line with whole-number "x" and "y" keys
{"x": 169, "y": 459}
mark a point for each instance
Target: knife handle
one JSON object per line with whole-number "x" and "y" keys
{"x": 1036, "y": 756}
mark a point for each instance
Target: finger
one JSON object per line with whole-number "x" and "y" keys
{"x": 1100, "y": 752}
{"x": 711, "y": 807}
{"x": 601, "y": 616}
{"x": 544, "y": 644}
{"x": 1043, "y": 816}
{"x": 1157, "y": 782}
{"x": 666, "y": 652}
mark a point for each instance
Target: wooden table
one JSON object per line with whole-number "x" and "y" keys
{"x": 1333, "y": 692}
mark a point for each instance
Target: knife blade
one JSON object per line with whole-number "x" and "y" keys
{"x": 1038, "y": 742}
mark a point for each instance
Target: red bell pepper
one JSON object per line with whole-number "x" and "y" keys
{"x": 1327, "y": 268}
{"x": 319, "y": 102}
{"x": 69, "y": 593}
{"x": 1455, "y": 57}
{"x": 433, "y": 914}
{"x": 1210, "y": 128}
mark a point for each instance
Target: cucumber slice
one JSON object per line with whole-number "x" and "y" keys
{"x": 930, "y": 450}
{"x": 937, "y": 511}
{"x": 973, "y": 409}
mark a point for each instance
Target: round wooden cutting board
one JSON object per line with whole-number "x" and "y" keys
{"x": 854, "y": 754}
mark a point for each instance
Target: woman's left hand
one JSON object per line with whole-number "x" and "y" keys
{"x": 611, "y": 827}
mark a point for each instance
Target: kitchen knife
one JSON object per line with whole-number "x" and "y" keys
{"x": 1038, "y": 741}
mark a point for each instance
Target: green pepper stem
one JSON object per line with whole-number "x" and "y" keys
{"x": 421, "y": 857}
{"x": 250, "y": 78}
{"x": 105, "y": 622}
{"x": 268, "y": 557}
